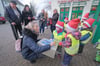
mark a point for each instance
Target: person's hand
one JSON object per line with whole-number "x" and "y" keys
{"x": 13, "y": 23}
{"x": 22, "y": 23}
{"x": 29, "y": 18}
{"x": 41, "y": 18}
{"x": 33, "y": 18}
{"x": 52, "y": 44}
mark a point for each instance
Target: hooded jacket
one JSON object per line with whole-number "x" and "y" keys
{"x": 30, "y": 48}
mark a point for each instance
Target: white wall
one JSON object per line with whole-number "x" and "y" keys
{"x": 1, "y": 9}
{"x": 20, "y": 7}
{"x": 87, "y": 7}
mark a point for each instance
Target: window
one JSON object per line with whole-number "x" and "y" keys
{"x": 62, "y": 10}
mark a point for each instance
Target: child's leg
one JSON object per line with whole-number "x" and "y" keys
{"x": 66, "y": 60}
{"x": 81, "y": 47}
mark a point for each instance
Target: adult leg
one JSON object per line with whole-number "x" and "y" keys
{"x": 43, "y": 28}
{"x": 14, "y": 30}
{"x": 40, "y": 28}
{"x": 51, "y": 28}
{"x": 26, "y": 22}
{"x": 19, "y": 27}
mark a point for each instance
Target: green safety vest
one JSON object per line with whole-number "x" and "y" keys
{"x": 74, "y": 46}
{"x": 58, "y": 37}
{"x": 84, "y": 32}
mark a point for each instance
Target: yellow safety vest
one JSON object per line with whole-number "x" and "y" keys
{"x": 98, "y": 47}
{"x": 74, "y": 46}
{"x": 84, "y": 32}
{"x": 58, "y": 38}
{"x": 64, "y": 25}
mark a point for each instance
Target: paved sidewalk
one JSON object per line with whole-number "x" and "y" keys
{"x": 8, "y": 56}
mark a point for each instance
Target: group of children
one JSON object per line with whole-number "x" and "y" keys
{"x": 72, "y": 36}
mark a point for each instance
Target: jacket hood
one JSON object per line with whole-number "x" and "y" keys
{"x": 31, "y": 34}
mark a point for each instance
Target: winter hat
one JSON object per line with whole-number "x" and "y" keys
{"x": 66, "y": 19}
{"x": 86, "y": 16}
{"x": 73, "y": 24}
{"x": 89, "y": 22}
{"x": 60, "y": 24}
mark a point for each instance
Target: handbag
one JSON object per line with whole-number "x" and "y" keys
{"x": 18, "y": 45}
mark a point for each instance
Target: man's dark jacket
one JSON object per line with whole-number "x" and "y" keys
{"x": 11, "y": 16}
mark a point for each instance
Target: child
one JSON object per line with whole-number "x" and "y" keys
{"x": 71, "y": 43}
{"x": 98, "y": 51}
{"x": 86, "y": 32}
{"x": 65, "y": 22}
{"x": 59, "y": 34}
{"x": 84, "y": 18}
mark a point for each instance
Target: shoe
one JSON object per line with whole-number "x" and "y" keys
{"x": 33, "y": 61}
{"x": 41, "y": 56}
{"x": 20, "y": 36}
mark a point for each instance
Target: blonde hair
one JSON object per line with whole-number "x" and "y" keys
{"x": 31, "y": 24}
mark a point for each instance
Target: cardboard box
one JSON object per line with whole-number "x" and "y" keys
{"x": 50, "y": 53}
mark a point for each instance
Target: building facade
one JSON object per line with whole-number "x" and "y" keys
{"x": 74, "y": 9}
{"x": 4, "y": 3}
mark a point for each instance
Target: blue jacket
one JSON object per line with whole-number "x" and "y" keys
{"x": 30, "y": 48}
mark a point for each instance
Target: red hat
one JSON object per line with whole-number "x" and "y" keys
{"x": 66, "y": 19}
{"x": 86, "y": 16}
{"x": 73, "y": 24}
{"x": 89, "y": 22}
{"x": 60, "y": 24}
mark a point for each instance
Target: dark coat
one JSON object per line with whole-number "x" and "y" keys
{"x": 26, "y": 14}
{"x": 30, "y": 48}
{"x": 55, "y": 19}
{"x": 41, "y": 22}
{"x": 11, "y": 16}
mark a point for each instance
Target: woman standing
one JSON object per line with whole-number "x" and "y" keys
{"x": 27, "y": 14}
{"x": 30, "y": 49}
{"x": 46, "y": 17}
{"x": 54, "y": 19}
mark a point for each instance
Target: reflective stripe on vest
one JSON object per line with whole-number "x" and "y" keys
{"x": 84, "y": 32}
{"x": 74, "y": 46}
{"x": 64, "y": 25}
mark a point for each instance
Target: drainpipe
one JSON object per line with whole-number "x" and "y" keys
{"x": 70, "y": 11}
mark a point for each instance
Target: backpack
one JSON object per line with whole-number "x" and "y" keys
{"x": 18, "y": 45}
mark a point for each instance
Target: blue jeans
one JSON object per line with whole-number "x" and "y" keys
{"x": 52, "y": 28}
{"x": 67, "y": 58}
{"x": 42, "y": 28}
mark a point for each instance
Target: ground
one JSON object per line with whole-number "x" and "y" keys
{"x": 9, "y": 57}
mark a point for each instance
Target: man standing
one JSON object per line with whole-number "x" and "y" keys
{"x": 54, "y": 19}
{"x": 13, "y": 15}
